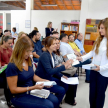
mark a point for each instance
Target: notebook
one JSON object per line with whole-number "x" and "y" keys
{"x": 2, "y": 68}
{"x": 47, "y": 83}
{"x": 40, "y": 93}
{"x": 73, "y": 57}
{"x": 89, "y": 66}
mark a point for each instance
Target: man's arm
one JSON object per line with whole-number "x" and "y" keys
{"x": 43, "y": 49}
{"x": 35, "y": 55}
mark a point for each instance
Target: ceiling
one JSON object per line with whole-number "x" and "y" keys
{"x": 48, "y": 4}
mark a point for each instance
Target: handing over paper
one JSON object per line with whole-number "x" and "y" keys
{"x": 73, "y": 57}
{"x": 71, "y": 80}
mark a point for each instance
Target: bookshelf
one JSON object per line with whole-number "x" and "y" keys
{"x": 91, "y": 34}
{"x": 70, "y": 28}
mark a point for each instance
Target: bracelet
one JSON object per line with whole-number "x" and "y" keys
{"x": 28, "y": 90}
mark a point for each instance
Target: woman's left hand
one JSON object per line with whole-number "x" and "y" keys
{"x": 65, "y": 77}
{"x": 97, "y": 68}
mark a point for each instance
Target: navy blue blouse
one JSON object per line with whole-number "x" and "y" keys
{"x": 25, "y": 78}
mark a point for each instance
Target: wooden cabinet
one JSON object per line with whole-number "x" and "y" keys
{"x": 69, "y": 28}
{"x": 91, "y": 34}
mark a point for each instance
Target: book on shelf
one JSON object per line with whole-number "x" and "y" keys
{"x": 91, "y": 28}
{"x": 43, "y": 93}
{"x": 74, "y": 28}
{"x": 93, "y": 21}
{"x": 2, "y": 68}
{"x": 89, "y": 66}
{"x": 88, "y": 21}
{"x": 88, "y": 42}
{"x": 97, "y": 21}
{"x": 73, "y": 57}
{"x": 46, "y": 83}
{"x": 87, "y": 36}
{"x": 65, "y": 27}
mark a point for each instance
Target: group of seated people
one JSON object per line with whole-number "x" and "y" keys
{"x": 52, "y": 66}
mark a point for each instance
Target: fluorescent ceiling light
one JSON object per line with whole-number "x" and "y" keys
{"x": 49, "y": 5}
{"x": 4, "y": 6}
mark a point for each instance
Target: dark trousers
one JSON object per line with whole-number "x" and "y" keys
{"x": 3, "y": 84}
{"x": 29, "y": 101}
{"x": 70, "y": 90}
{"x": 59, "y": 89}
{"x": 87, "y": 71}
{"x": 98, "y": 86}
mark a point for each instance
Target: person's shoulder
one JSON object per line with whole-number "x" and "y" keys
{"x": 46, "y": 28}
{"x": 39, "y": 41}
{"x": 45, "y": 54}
{"x": 11, "y": 65}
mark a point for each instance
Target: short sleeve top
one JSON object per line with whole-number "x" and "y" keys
{"x": 5, "y": 55}
{"x": 25, "y": 78}
{"x": 38, "y": 47}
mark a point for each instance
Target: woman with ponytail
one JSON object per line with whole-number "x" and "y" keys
{"x": 99, "y": 76}
{"x": 5, "y": 54}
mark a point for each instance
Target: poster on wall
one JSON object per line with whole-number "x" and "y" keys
{"x": 27, "y": 24}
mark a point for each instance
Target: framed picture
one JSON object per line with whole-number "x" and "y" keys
{"x": 27, "y": 23}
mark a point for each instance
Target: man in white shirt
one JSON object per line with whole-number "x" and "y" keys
{"x": 65, "y": 49}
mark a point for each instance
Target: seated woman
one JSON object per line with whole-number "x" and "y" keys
{"x": 5, "y": 54}
{"x": 21, "y": 34}
{"x": 46, "y": 69}
{"x": 20, "y": 77}
{"x": 71, "y": 93}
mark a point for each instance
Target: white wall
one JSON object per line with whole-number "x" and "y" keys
{"x": 95, "y": 9}
{"x": 40, "y": 18}
{"x": 18, "y": 16}
{"x": 98, "y": 9}
{"x": 92, "y": 9}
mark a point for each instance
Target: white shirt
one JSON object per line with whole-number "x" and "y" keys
{"x": 103, "y": 61}
{"x": 102, "y": 48}
{"x": 53, "y": 62}
{"x": 65, "y": 49}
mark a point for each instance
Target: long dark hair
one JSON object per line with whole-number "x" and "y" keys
{"x": 57, "y": 52}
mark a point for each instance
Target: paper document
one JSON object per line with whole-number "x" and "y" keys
{"x": 47, "y": 83}
{"x": 40, "y": 93}
{"x": 73, "y": 57}
{"x": 71, "y": 80}
{"x": 89, "y": 66}
{"x": 2, "y": 68}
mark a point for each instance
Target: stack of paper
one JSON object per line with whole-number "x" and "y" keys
{"x": 40, "y": 93}
{"x": 71, "y": 80}
{"x": 89, "y": 66}
{"x": 3, "y": 68}
{"x": 47, "y": 83}
{"x": 73, "y": 57}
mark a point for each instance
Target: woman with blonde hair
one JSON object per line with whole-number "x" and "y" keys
{"x": 21, "y": 34}
{"x": 49, "y": 30}
{"x": 35, "y": 28}
{"x": 99, "y": 76}
{"x": 20, "y": 77}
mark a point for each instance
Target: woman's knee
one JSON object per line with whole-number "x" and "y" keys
{"x": 54, "y": 100}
